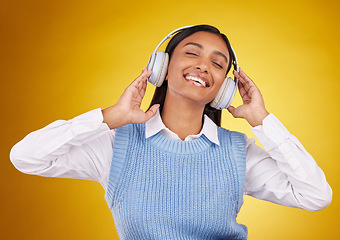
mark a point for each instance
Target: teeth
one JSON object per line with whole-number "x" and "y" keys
{"x": 196, "y": 79}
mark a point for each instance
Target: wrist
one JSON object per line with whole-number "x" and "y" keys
{"x": 258, "y": 117}
{"x": 113, "y": 117}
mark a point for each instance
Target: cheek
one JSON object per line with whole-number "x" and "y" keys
{"x": 217, "y": 85}
{"x": 174, "y": 70}
{"x": 219, "y": 80}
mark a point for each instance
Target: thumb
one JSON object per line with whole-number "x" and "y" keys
{"x": 231, "y": 109}
{"x": 236, "y": 112}
{"x": 152, "y": 112}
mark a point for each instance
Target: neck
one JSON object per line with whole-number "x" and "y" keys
{"x": 182, "y": 116}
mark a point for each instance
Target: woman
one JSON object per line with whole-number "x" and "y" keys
{"x": 172, "y": 172}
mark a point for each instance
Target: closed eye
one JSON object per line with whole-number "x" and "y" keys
{"x": 218, "y": 65}
{"x": 191, "y": 53}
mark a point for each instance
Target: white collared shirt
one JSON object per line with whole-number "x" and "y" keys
{"x": 82, "y": 148}
{"x": 155, "y": 125}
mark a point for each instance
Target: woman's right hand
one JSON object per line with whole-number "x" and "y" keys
{"x": 127, "y": 109}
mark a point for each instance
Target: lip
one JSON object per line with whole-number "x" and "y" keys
{"x": 207, "y": 84}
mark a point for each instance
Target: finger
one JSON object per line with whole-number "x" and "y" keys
{"x": 246, "y": 78}
{"x": 250, "y": 86}
{"x": 241, "y": 89}
{"x": 243, "y": 92}
{"x": 253, "y": 90}
{"x": 145, "y": 74}
{"x": 232, "y": 110}
{"x": 237, "y": 74}
{"x": 240, "y": 78}
{"x": 241, "y": 81}
{"x": 141, "y": 85}
{"x": 141, "y": 78}
{"x": 142, "y": 88}
{"x": 247, "y": 84}
{"x": 152, "y": 111}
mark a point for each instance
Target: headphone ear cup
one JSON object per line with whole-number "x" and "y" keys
{"x": 225, "y": 95}
{"x": 159, "y": 69}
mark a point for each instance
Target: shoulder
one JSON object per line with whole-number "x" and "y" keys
{"x": 131, "y": 130}
{"x": 232, "y": 139}
{"x": 223, "y": 133}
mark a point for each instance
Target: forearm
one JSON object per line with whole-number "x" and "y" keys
{"x": 288, "y": 175}
{"x": 64, "y": 148}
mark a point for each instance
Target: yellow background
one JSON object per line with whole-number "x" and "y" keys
{"x": 61, "y": 58}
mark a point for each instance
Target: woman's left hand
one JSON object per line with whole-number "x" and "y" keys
{"x": 253, "y": 108}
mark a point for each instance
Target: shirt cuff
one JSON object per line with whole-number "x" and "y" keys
{"x": 271, "y": 133}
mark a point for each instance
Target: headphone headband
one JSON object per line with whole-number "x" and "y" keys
{"x": 153, "y": 55}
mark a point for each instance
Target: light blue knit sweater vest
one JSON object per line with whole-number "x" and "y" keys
{"x": 170, "y": 189}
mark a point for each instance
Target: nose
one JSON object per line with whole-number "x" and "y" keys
{"x": 202, "y": 66}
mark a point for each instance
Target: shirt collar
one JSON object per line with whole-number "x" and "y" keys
{"x": 155, "y": 125}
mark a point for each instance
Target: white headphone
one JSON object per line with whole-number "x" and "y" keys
{"x": 159, "y": 62}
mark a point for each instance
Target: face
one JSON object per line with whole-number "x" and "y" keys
{"x": 198, "y": 67}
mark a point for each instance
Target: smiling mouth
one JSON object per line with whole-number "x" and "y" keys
{"x": 196, "y": 80}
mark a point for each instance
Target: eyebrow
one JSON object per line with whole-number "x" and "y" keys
{"x": 200, "y": 46}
